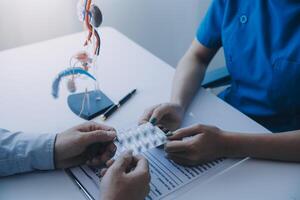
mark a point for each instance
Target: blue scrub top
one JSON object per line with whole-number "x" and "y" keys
{"x": 261, "y": 41}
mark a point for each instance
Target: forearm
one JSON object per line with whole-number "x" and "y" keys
{"x": 22, "y": 152}
{"x": 188, "y": 77}
{"x": 190, "y": 73}
{"x": 280, "y": 146}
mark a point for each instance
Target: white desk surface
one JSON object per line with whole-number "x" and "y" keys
{"x": 26, "y": 104}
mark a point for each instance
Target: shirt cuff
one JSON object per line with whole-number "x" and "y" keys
{"x": 207, "y": 39}
{"x": 23, "y": 152}
{"x": 42, "y": 152}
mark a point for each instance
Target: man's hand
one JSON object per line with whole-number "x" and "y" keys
{"x": 71, "y": 145}
{"x": 167, "y": 115}
{"x": 201, "y": 144}
{"x": 127, "y": 178}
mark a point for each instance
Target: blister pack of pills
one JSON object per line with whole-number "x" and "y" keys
{"x": 140, "y": 138}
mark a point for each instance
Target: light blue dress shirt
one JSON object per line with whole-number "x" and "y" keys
{"x": 23, "y": 152}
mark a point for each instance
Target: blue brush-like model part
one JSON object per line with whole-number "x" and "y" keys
{"x": 68, "y": 72}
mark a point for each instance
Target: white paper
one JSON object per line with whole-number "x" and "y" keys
{"x": 166, "y": 176}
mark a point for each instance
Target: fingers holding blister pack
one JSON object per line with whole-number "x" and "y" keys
{"x": 140, "y": 138}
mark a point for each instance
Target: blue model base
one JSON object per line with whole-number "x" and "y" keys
{"x": 98, "y": 104}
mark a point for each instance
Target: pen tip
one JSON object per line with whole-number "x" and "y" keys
{"x": 102, "y": 117}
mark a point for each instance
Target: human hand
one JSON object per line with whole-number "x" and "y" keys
{"x": 127, "y": 178}
{"x": 71, "y": 145}
{"x": 167, "y": 115}
{"x": 202, "y": 144}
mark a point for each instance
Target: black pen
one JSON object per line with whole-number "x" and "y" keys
{"x": 115, "y": 107}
